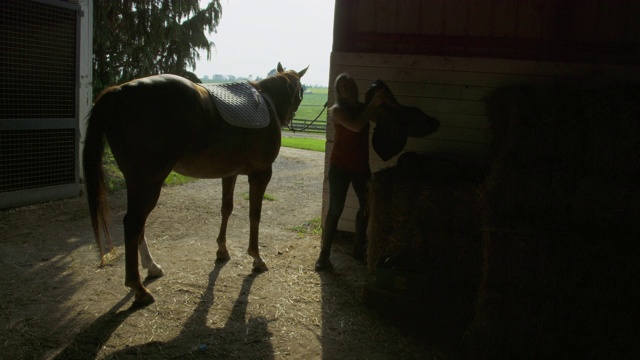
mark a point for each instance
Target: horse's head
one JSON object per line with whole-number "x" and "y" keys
{"x": 285, "y": 90}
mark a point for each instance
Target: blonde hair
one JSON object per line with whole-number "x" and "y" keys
{"x": 352, "y": 89}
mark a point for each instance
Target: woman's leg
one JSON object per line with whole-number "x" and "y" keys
{"x": 360, "y": 184}
{"x": 339, "y": 181}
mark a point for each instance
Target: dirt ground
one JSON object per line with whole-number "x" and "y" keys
{"x": 57, "y": 303}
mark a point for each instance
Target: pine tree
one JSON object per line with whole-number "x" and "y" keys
{"x": 132, "y": 39}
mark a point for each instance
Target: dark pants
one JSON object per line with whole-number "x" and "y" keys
{"x": 339, "y": 181}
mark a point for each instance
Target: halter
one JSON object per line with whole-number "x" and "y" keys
{"x": 300, "y": 97}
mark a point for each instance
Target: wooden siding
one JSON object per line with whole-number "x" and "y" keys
{"x": 453, "y": 90}
{"x": 593, "y": 31}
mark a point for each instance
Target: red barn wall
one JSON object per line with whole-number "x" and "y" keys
{"x": 445, "y": 56}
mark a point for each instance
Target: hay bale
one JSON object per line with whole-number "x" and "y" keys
{"x": 423, "y": 220}
{"x": 560, "y": 211}
{"x": 412, "y": 205}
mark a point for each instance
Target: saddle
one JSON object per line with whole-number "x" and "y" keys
{"x": 395, "y": 126}
{"x": 240, "y": 104}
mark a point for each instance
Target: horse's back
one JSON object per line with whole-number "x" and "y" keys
{"x": 167, "y": 120}
{"x": 169, "y": 94}
{"x": 152, "y": 119}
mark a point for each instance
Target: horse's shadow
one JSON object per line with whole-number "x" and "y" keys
{"x": 88, "y": 342}
{"x": 196, "y": 339}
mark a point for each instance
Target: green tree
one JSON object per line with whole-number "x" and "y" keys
{"x": 132, "y": 39}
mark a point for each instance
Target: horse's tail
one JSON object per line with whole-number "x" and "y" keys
{"x": 93, "y": 172}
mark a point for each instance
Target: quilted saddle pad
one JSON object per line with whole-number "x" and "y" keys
{"x": 240, "y": 104}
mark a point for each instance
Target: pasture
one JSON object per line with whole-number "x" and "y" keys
{"x": 311, "y": 106}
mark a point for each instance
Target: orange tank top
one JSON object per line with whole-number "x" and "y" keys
{"x": 350, "y": 149}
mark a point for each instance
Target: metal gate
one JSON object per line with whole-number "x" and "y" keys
{"x": 38, "y": 101}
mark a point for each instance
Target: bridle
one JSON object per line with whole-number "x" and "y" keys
{"x": 294, "y": 102}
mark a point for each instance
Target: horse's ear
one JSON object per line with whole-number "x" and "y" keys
{"x": 280, "y": 69}
{"x": 302, "y": 72}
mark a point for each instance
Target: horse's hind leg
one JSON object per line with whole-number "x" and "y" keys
{"x": 258, "y": 182}
{"x": 141, "y": 199}
{"x": 153, "y": 269}
{"x": 228, "y": 186}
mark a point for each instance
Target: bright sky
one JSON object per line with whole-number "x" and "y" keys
{"x": 254, "y": 35}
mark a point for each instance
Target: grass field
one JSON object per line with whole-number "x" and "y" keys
{"x": 312, "y": 104}
{"x": 304, "y": 143}
{"x": 115, "y": 180}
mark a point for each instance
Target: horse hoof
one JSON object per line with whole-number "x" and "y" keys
{"x": 155, "y": 271}
{"x": 222, "y": 256}
{"x": 106, "y": 258}
{"x": 259, "y": 266}
{"x": 324, "y": 265}
{"x": 143, "y": 300}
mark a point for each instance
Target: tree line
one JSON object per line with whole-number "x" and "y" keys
{"x": 219, "y": 78}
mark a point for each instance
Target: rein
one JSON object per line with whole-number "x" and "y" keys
{"x": 314, "y": 120}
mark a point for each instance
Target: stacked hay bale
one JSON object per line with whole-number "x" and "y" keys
{"x": 423, "y": 221}
{"x": 561, "y": 223}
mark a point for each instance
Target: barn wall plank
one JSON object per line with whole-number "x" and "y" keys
{"x": 528, "y": 19}
{"x": 408, "y": 13}
{"x": 365, "y": 15}
{"x": 454, "y": 21}
{"x": 478, "y": 65}
{"x": 432, "y": 19}
{"x": 592, "y": 31}
{"x": 479, "y": 24}
{"x": 503, "y": 16}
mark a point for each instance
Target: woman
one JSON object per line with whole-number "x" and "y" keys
{"x": 349, "y": 162}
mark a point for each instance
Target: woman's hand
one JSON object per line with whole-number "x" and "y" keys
{"x": 384, "y": 96}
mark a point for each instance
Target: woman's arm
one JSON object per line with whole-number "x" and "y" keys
{"x": 368, "y": 114}
{"x": 346, "y": 118}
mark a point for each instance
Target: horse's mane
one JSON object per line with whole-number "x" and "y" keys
{"x": 275, "y": 87}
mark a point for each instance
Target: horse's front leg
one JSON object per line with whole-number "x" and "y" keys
{"x": 258, "y": 182}
{"x": 228, "y": 186}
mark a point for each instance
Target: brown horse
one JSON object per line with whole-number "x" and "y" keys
{"x": 164, "y": 122}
